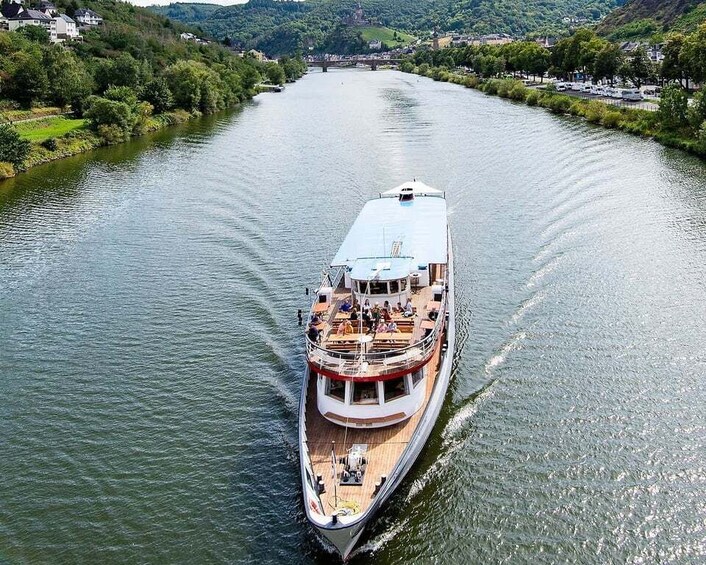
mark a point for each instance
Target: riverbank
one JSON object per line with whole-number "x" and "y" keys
{"x": 631, "y": 120}
{"x": 54, "y": 137}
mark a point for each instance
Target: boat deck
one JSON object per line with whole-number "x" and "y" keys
{"x": 385, "y": 446}
{"x": 411, "y": 329}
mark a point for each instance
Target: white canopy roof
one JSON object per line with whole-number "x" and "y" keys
{"x": 389, "y": 227}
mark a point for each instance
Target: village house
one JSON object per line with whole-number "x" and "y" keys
{"x": 87, "y": 17}
{"x": 66, "y": 29}
{"x": 32, "y": 18}
{"x": 375, "y": 45}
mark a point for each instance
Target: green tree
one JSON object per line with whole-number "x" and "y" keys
{"x": 692, "y": 56}
{"x": 69, "y": 82}
{"x": 607, "y": 62}
{"x": 28, "y": 81}
{"x": 638, "y": 69}
{"x": 672, "y": 68}
{"x": 275, "y": 73}
{"x": 13, "y": 149}
{"x": 38, "y": 34}
{"x": 157, "y": 93}
{"x": 673, "y": 107}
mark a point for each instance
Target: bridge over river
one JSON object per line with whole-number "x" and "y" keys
{"x": 372, "y": 62}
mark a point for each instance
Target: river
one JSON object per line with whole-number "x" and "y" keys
{"x": 150, "y": 358}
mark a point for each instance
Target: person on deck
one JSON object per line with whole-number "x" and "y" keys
{"x": 348, "y": 328}
{"x": 408, "y": 309}
{"x": 346, "y": 306}
{"x": 368, "y": 321}
{"x": 386, "y": 315}
{"x": 354, "y": 314}
{"x": 392, "y": 328}
{"x": 382, "y": 328}
{"x": 398, "y": 309}
{"x": 313, "y": 334}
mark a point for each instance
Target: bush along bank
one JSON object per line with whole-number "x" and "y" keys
{"x": 676, "y": 124}
{"x": 133, "y": 74}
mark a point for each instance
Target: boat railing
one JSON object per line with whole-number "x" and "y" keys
{"x": 361, "y": 363}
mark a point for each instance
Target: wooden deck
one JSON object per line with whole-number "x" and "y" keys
{"x": 385, "y": 446}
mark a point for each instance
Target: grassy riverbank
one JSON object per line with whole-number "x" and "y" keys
{"x": 644, "y": 123}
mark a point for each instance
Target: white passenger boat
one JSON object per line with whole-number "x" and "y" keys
{"x": 371, "y": 395}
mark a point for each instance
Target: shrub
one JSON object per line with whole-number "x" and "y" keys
{"x": 491, "y": 87}
{"x": 519, "y": 92}
{"x": 112, "y": 134}
{"x": 558, "y": 104}
{"x": 49, "y": 144}
{"x": 471, "y": 82}
{"x": 13, "y": 149}
{"x": 6, "y": 170}
{"x": 594, "y": 112}
{"x": 611, "y": 119}
{"x": 532, "y": 98}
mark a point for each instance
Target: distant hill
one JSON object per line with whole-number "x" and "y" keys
{"x": 285, "y": 26}
{"x": 642, "y": 19}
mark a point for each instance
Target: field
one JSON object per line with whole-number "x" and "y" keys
{"x": 387, "y": 36}
{"x": 40, "y": 130}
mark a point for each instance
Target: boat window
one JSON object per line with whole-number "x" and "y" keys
{"x": 365, "y": 393}
{"x": 336, "y": 389}
{"x": 417, "y": 377}
{"x": 394, "y": 388}
{"x": 403, "y": 285}
{"x": 377, "y": 287}
{"x": 394, "y": 287}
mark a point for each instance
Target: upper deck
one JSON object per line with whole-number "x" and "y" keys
{"x": 395, "y": 253}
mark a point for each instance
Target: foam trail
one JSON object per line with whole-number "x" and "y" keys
{"x": 420, "y": 484}
{"x": 543, "y": 271}
{"x": 380, "y": 541}
{"x": 536, "y": 299}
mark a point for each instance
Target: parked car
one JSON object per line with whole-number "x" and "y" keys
{"x": 560, "y": 86}
{"x": 631, "y": 94}
{"x": 576, "y": 86}
{"x": 586, "y": 88}
{"x": 598, "y": 90}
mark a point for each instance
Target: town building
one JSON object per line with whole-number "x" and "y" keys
{"x": 66, "y": 29}
{"x": 31, "y": 18}
{"x": 375, "y": 45}
{"x": 87, "y": 17}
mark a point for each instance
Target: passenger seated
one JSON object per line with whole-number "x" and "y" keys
{"x": 316, "y": 319}
{"x": 346, "y": 306}
{"x": 348, "y": 328}
{"x": 342, "y": 327}
{"x": 398, "y": 309}
{"x": 386, "y": 305}
{"x": 392, "y": 328}
{"x": 382, "y": 328}
{"x": 408, "y": 309}
{"x": 313, "y": 334}
{"x": 386, "y": 315}
{"x": 354, "y": 314}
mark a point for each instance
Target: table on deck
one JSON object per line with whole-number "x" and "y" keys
{"x": 320, "y": 307}
{"x": 433, "y": 305}
{"x": 427, "y": 324}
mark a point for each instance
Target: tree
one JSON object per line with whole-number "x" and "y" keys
{"x": 692, "y": 56}
{"x": 275, "y": 73}
{"x": 157, "y": 93}
{"x": 638, "y": 69}
{"x": 673, "y": 107}
{"x": 38, "y": 34}
{"x": 607, "y": 62}
{"x": 672, "y": 68}
{"x": 69, "y": 82}
{"x": 28, "y": 81}
{"x": 13, "y": 149}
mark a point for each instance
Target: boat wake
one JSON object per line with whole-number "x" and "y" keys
{"x": 378, "y": 542}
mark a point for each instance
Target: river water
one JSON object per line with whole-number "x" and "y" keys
{"x": 150, "y": 358}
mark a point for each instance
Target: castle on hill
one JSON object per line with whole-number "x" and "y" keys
{"x": 357, "y": 18}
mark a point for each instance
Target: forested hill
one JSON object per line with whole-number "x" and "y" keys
{"x": 282, "y": 26}
{"x": 643, "y": 19}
